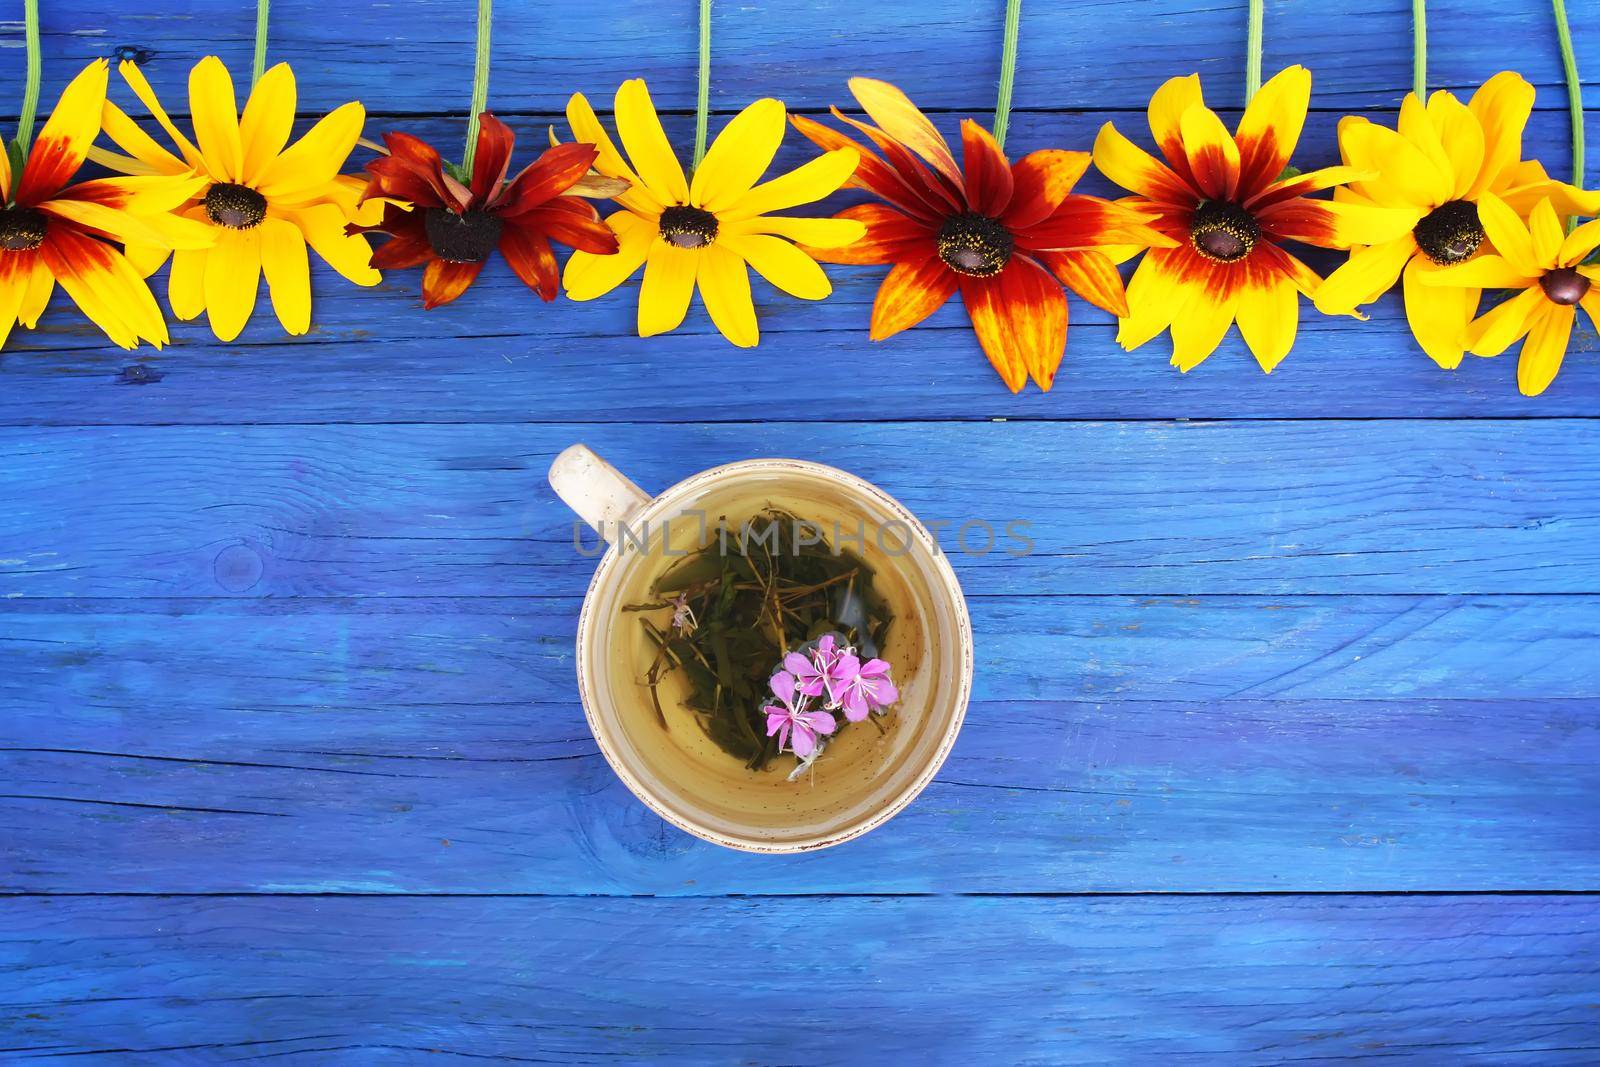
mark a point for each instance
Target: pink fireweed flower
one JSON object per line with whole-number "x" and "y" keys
{"x": 823, "y": 671}
{"x": 797, "y": 728}
{"x": 866, "y": 689}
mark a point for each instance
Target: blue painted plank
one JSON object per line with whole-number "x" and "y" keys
{"x": 1139, "y": 744}
{"x": 817, "y": 981}
{"x": 501, "y": 355}
{"x": 1329, "y": 506}
{"x": 416, "y": 55}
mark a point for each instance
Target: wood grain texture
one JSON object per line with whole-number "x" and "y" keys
{"x": 923, "y": 979}
{"x": 1455, "y": 506}
{"x": 1189, "y": 744}
{"x": 416, "y": 55}
{"x": 286, "y": 626}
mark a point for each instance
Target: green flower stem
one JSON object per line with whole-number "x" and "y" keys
{"x": 480, "y": 84}
{"x": 260, "y": 63}
{"x": 1008, "y": 70}
{"x": 1569, "y": 62}
{"x": 702, "y": 100}
{"x": 30, "y": 92}
{"x": 1419, "y": 49}
{"x": 1252, "y": 50}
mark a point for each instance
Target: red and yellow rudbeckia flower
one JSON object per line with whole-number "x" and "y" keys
{"x": 52, "y": 232}
{"x": 1225, "y": 201}
{"x": 264, "y": 200}
{"x": 1007, "y": 236}
{"x": 1438, "y": 165}
{"x": 452, "y": 228}
{"x": 1546, "y": 265}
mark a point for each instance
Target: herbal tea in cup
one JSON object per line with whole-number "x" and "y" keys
{"x": 773, "y": 654}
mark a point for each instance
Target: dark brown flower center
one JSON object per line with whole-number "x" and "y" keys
{"x": 1564, "y": 286}
{"x": 467, "y": 237}
{"x": 975, "y": 245}
{"x": 1223, "y": 232}
{"x": 1450, "y": 232}
{"x": 688, "y": 227}
{"x": 238, "y": 207}
{"x": 21, "y": 229}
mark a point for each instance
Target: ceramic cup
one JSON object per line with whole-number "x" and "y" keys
{"x": 707, "y": 793}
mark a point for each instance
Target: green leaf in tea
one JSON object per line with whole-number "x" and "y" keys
{"x": 732, "y": 611}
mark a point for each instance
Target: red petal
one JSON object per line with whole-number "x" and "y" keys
{"x": 402, "y": 251}
{"x": 891, "y": 238}
{"x": 491, "y": 157}
{"x": 533, "y": 261}
{"x": 1092, "y": 276}
{"x": 910, "y": 293}
{"x": 547, "y": 177}
{"x": 872, "y": 173}
{"x": 571, "y": 221}
{"x": 988, "y": 174}
{"x": 1042, "y": 181}
{"x": 442, "y": 282}
{"x": 934, "y": 191}
{"x": 1086, "y": 222}
{"x": 1020, "y": 317}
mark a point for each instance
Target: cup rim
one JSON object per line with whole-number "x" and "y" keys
{"x": 609, "y": 563}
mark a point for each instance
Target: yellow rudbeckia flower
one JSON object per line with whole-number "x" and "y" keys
{"x": 702, "y": 233}
{"x": 265, "y": 202}
{"x": 1547, "y": 264}
{"x": 1439, "y": 164}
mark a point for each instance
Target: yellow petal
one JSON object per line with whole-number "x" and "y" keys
{"x": 233, "y": 274}
{"x": 349, "y": 254}
{"x": 1502, "y": 107}
{"x": 1508, "y": 235}
{"x": 781, "y": 263}
{"x": 1416, "y": 126}
{"x": 186, "y": 284}
{"x": 739, "y": 156}
{"x": 1547, "y": 233}
{"x": 1167, "y": 106}
{"x": 1577, "y": 245}
{"x": 63, "y": 144}
{"x": 14, "y": 271}
{"x": 1157, "y": 293}
{"x": 1544, "y": 349}
{"x": 1269, "y": 317}
{"x": 146, "y": 259}
{"x": 1439, "y": 316}
{"x": 268, "y": 119}
{"x": 1406, "y": 176}
{"x": 40, "y": 285}
{"x": 586, "y": 127}
{"x": 897, "y": 116}
{"x": 1213, "y": 153}
{"x": 817, "y": 233}
{"x": 1199, "y": 329}
{"x": 314, "y": 159}
{"x": 127, "y": 135}
{"x": 288, "y": 271}
{"x": 1500, "y": 327}
{"x": 5, "y": 175}
{"x": 1370, "y": 272}
{"x": 147, "y": 96}
{"x": 1272, "y": 122}
{"x": 1484, "y": 272}
{"x": 588, "y": 276}
{"x": 669, "y": 274}
{"x": 647, "y": 144}
{"x": 725, "y": 288}
{"x": 216, "y": 118}
{"x": 1461, "y": 135}
{"x": 804, "y": 185}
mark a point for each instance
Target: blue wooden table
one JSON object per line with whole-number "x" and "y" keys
{"x": 1284, "y": 742}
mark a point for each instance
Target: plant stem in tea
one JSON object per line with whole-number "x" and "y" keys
{"x": 738, "y": 606}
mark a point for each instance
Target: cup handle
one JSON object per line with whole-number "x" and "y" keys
{"x": 601, "y": 495}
